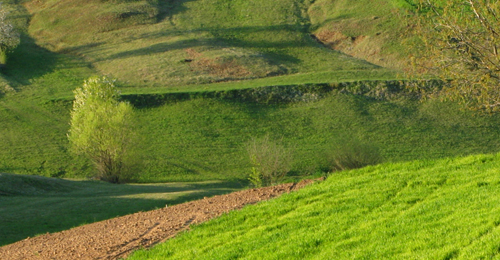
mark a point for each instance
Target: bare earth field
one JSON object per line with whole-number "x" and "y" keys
{"x": 116, "y": 238}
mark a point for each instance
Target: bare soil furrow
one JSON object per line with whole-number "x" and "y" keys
{"x": 116, "y": 238}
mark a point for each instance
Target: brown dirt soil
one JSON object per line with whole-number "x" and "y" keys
{"x": 116, "y": 238}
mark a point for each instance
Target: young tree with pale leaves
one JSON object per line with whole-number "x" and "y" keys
{"x": 101, "y": 129}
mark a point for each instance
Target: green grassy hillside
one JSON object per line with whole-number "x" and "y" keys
{"x": 205, "y": 138}
{"x": 172, "y": 43}
{"x": 369, "y": 30}
{"x": 160, "y": 47}
{"x": 428, "y": 209}
{"x": 179, "y": 44}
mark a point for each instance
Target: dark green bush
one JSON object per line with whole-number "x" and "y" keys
{"x": 353, "y": 155}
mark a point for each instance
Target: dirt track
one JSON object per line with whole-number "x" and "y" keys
{"x": 116, "y": 238}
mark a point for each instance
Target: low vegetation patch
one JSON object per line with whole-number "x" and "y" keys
{"x": 352, "y": 154}
{"x": 270, "y": 161}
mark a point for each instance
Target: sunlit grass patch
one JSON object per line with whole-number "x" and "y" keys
{"x": 421, "y": 209}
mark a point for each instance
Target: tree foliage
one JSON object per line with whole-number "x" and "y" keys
{"x": 101, "y": 129}
{"x": 9, "y": 37}
{"x": 458, "y": 40}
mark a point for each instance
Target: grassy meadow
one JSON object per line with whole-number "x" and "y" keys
{"x": 216, "y": 133}
{"x": 186, "y": 66}
{"x": 425, "y": 209}
{"x": 178, "y": 45}
{"x": 184, "y": 43}
{"x": 205, "y": 138}
{"x": 161, "y": 47}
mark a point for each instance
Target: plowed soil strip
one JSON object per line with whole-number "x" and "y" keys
{"x": 116, "y": 238}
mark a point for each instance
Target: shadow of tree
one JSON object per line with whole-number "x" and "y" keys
{"x": 224, "y": 37}
{"x": 167, "y": 8}
{"x": 30, "y": 61}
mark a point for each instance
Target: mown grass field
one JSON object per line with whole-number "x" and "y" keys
{"x": 34, "y": 205}
{"x": 425, "y": 209}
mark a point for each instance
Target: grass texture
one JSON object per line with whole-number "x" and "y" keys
{"x": 205, "y": 138}
{"x": 177, "y": 45}
{"x": 426, "y": 209}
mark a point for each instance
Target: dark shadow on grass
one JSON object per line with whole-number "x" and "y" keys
{"x": 227, "y": 37}
{"x": 80, "y": 48}
{"x": 58, "y": 213}
{"x": 30, "y": 61}
{"x": 168, "y": 8}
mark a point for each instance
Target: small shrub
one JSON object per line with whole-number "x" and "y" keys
{"x": 353, "y": 155}
{"x": 270, "y": 161}
{"x": 255, "y": 176}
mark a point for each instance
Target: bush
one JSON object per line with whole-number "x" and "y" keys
{"x": 353, "y": 155}
{"x": 270, "y": 161}
{"x": 101, "y": 129}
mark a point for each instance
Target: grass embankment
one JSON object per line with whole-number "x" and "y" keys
{"x": 33, "y": 205}
{"x": 216, "y": 132}
{"x": 427, "y": 209}
{"x": 372, "y": 30}
{"x": 205, "y": 138}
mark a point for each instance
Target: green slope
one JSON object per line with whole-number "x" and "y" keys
{"x": 372, "y": 30}
{"x": 178, "y": 43}
{"x": 146, "y": 45}
{"x": 205, "y": 138}
{"x": 444, "y": 209}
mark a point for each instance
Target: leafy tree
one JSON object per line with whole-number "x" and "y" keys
{"x": 9, "y": 38}
{"x": 101, "y": 129}
{"x": 458, "y": 40}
